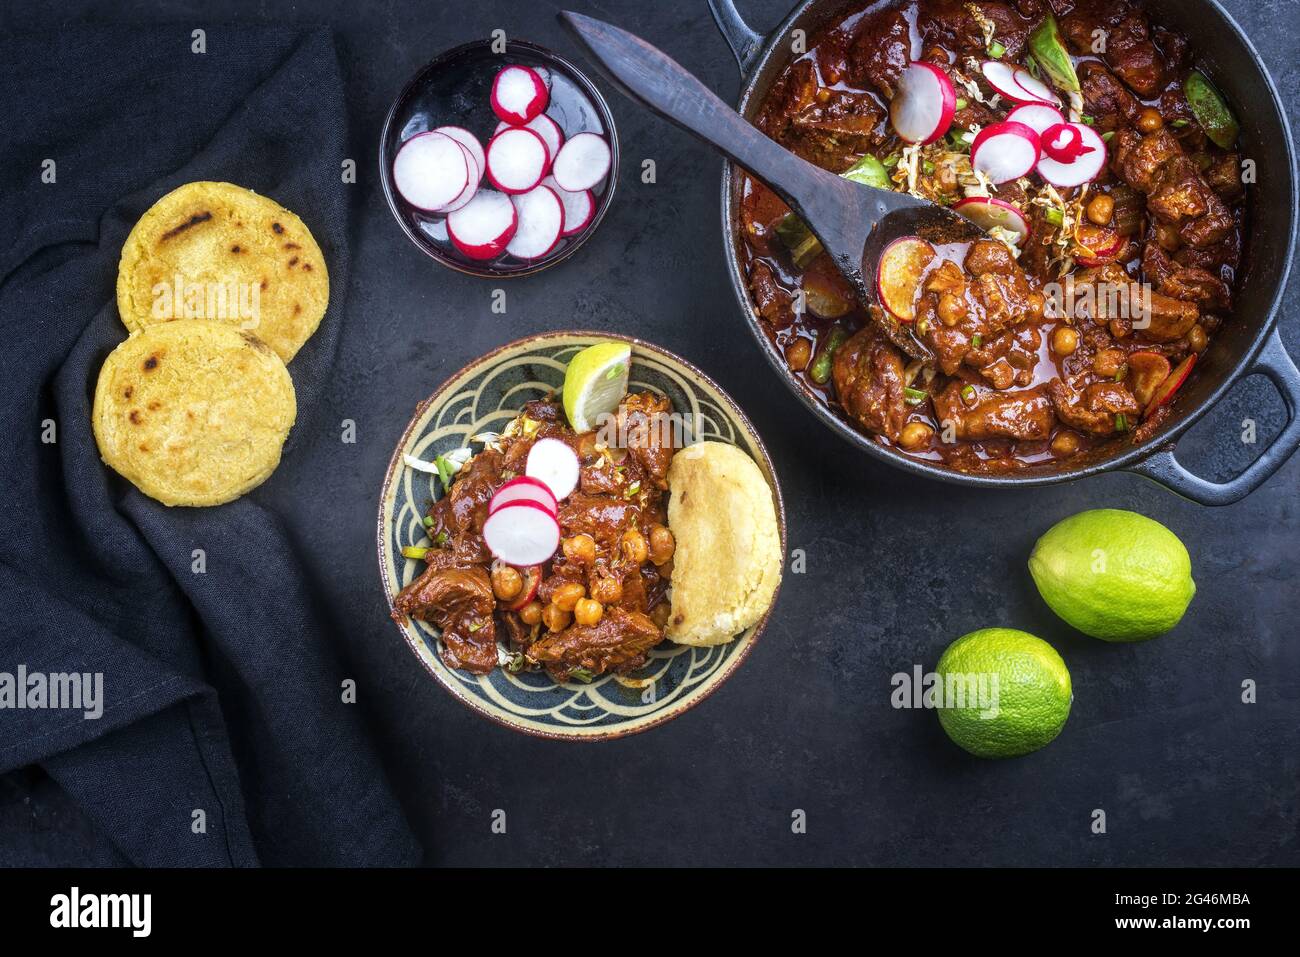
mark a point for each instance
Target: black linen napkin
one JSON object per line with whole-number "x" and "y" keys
{"x": 221, "y": 693}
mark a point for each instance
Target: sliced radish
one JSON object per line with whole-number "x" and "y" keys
{"x": 524, "y": 489}
{"x": 1036, "y": 116}
{"x": 468, "y": 140}
{"x": 532, "y": 579}
{"x": 923, "y": 105}
{"x": 519, "y": 94}
{"x": 522, "y": 534}
{"x": 1165, "y": 392}
{"x": 545, "y": 74}
{"x": 1003, "y": 77}
{"x": 1077, "y": 140}
{"x": 551, "y": 135}
{"x": 579, "y": 208}
{"x": 1035, "y": 87}
{"x": 987, "y": 213}
{"x": 1004, "y": 151}
{"x": 1101, "y": 244}
{"x": 516, "y": 160}
{"x": 470, "y": 188}
{"x": 541, "y": 221}
{"x": 482, "y": 228}
{"x": 431, "y": 170}
{"x": 554, "y": 463}
{"x": 582, "y": 162}
{"x": 898, "y": 277}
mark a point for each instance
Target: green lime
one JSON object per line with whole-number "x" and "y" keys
{"x": 595, "y": 383}
{"x": 1002, "y": 692}
{"x": 1114, "y": 575}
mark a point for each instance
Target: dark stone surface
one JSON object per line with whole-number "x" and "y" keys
{"x": 897, "y": 567}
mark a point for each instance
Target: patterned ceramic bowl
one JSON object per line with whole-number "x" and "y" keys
{"x": 483, "y": 397}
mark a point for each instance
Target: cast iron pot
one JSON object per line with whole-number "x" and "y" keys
{"x": 1248, "y": 343}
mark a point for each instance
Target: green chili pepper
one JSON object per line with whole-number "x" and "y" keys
{"x": 798, "y": 238}
{"x": 414, "y": 551}
{"x": 820, "y": 372}
{"x": 1121, "y": 422}
{"x": 1210, "y": 110}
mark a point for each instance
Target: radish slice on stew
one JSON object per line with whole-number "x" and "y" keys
{"x": 482, "y": 228}
{"x": 922, "y": 108}
{"x": 522, "y": 534}
{"x": 1037, "y": 116}
{"x": 1002, "y": 77}
{"x": 1076, "y": 140}
{"x": 524, "y": 489}
{"x": 532, "y": 579}
{"x": 1004, "y": 151}
{"x": 551, "y": 135}
{"x": 468, "y": 140}
{"x": 431, "y": 170}
{"x": 516, "y": 160}
{"x": 519, "y": 94}
{"x": 1165, "y": 391}
{"x": 1036, "y": 88}
{"x": 582, "y": 162}
{"x": 541, "y": 220}
{"x": 987, "y": 213}
{"x": 898, "y": 277}
{"x": 579, "y": 208}
{"x": 555, "y": 464}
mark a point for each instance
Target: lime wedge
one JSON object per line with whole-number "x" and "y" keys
{"x": 595, "y": 383}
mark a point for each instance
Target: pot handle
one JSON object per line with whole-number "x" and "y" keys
{"x": 1163, "y": 467}
{"x": 744, "y": 41}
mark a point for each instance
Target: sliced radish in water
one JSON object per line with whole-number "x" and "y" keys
{"x": 431, "y": 170}
{"x": 516, "y": 160}
{"x": 1036, "y": 88}
{"x": 555, "y": 464}
{"x": 541, "y": 220}
{"x": 1077, "y": 140}
{"x": 579, "y": 208}
{"x": 987, "y": 213}
{"x": 898, "y": 277}
{"x": 522, "y": 534}
{"x": 922, "y": 108}
{"x": 470, "y": 188}
{"x": 1004, "y": 151}
{"x": 482, "y": 228}
{"x": 1036, "y": 116}
{"x": 582, "y": 162}
{"x": 519, "y": 94}
{"x": 551, "y": 135}
{"x": 524, "y": 489}
{"x": 468, "y": 140}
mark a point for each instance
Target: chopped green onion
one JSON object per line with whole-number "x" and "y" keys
{"x": 890, "y": 161}
{"x": 928, "y": 167}
{"x": 515, "y": 663}
{"x": 961, "y": 103}
{"x": 914, "y": 396}
{"x": 1108, "y": 135}
{"x": 976, "y": 341}
{"x": 582, "y": 674}
{"x": 414, "y": 551}
{"x": 427, "y": 521}
{"x": 632, "y": 489}
{"x": 442, "y": 538}
{"x": 996, "y": 50}
{"x": 476, "y": 626}
{"x": 1180, "y": 123}
{"x": 1090, "y": 120}
{"x": 1121, "y": 422}
{"x": 1121, "y": 373}
{"x": 968, "y": 392}
{"x": 1054, "y": 216}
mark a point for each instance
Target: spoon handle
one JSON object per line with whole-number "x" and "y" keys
{"x": 825, "y": 201}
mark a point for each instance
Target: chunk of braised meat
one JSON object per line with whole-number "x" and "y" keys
{"x": 1097, "y": 410}
{"x": 1105, "y": 98}
{"x": 601, "y": 517}
{"x": 828, "y": 127}
{"x": 774, "y": 302}
{"x": 618, "y": 642}
{"x": 460, "y": 602}
{"x": 1189, "y": 283}
{"x": 868, "y": 375}
{"x": 1121, "y": 36}
{"x": 1177, "y": 194}
{"x": 646, "y": 431}
{"x": 957, "y": 25}
{"x": 1108, "y": 294}
{"x": 1224, "y": 176}
{"x": 880, "y": 52}
{"x": 1026, "y": 414}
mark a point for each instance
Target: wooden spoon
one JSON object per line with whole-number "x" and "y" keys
{"x": 854, "y": 222}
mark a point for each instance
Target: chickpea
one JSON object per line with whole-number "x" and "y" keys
{"x": 1149, "y": 120}
{"x": 951, "y": 309}
{"x": 531, "y": 613}
{"x": 662, "y": 544}
{"x": 507, "y": 583}
{"x": 1064, "y": 341}
{"x": 607, "y": 590}
{"x": 634, "y": 546}
{"x": 1101, "y": 209}
{"x": 798, "y": 353}
{"x": 915, "y": 435}
{"x": 567, "y": 595}
{"x": 1065, "y": 443}
{"x": 1197, "y": 339}
{"x": 588, "y": 611}
{"x": 555, "y": 618}
{"x": 580, "y": 548}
